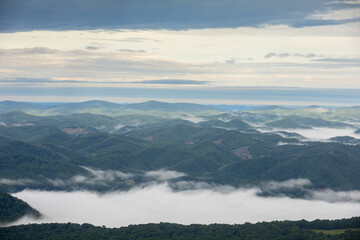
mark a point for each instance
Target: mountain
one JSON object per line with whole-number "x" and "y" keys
{"x": 318, "y": 122}
{"x": 350, "y": 114}
{"x": 20, "y": 160}
{"x": 326, "y": 165}
{"x": 12, "y": 209}
{"x": 170, "y": 107}
{"x": 287, "y": 124}
{"x": 345, "y": 140}
{"x": 233, "y": 124}
{"x": 9, "y": 106}
{"x": 153, "y": 108}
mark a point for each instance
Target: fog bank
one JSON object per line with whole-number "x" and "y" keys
{"x": 158, "y": 203}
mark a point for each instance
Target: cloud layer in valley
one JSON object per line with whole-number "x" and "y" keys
{"x": 158, "y": 203}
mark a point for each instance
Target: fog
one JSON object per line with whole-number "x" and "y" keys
{"x": 163, "y": 174}
{"x": 316, "y": 134}
{"x": 325, "y": 133}
{"x": 190, "y": 118}
{"x": 16, "y": 182}
{"x": 158, "y": 203}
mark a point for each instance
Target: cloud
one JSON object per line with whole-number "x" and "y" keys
{"x": 329, "y": 195}
{"x": 30, "y": 15}
{"x": 285, "y": 55}
{"x": 339, "y": 60}
{"x": 17, "y": 182}
{"x": 317, "y": 133}
{"x": 338, "y": 15}
{"x": 34, "y": 50}
{"x": 91, "y": 48}
{"x": 287, "y": 143}
{"x": 163, "y": 174}
{"x": 131, "y": 51}
{"x": 95, "y": 178}
{"x": 291, "y": 183}
{"x": 190, "y": 118}
{"x": 158, "y": 203}
{"x": 270, "y": 55}
{"x": 175, "y": 82}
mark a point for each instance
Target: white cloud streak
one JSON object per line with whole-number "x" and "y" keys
{"x": 17, "y": 182}
{"x": 291, "y": 183}
{"x": 163, "y": 174}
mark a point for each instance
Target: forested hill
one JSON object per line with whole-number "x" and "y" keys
{"x": 285, "y": 230}
{"x": 12, "y": 208}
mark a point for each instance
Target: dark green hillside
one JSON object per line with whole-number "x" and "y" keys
{"x": 180, "y": 133}
{"x": 284, "y": 230}
{"x": 287, "y": 124}
{"x": 25, "y": 160}
{"x": 233, "y": 124}
{"x": 12, "y": 209}
{"x": 317, "y": 122}
{"x": 28, "y": 133}
{"x": 326, "y": 165}
{"x": 257, "y": 117}
{"x": 15, "y": 117}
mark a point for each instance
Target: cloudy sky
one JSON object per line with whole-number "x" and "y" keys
{"x": 132, "y": 50}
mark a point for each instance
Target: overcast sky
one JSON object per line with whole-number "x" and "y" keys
{"x": 182, "y": 45}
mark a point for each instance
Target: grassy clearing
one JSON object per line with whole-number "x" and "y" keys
{"x": 335, "y": 231}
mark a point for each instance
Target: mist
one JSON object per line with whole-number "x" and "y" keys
{"x": 159, "y": 203}
{"x": 316, "y": 134}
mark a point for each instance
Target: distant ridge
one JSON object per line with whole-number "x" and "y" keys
{"x": 101, "y": 107}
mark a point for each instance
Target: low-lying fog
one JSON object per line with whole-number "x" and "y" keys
{"x": 159, "y": 203}
{"x": 319, "y": 134}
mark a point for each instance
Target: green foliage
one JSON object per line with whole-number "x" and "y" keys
{"x": 12, "y": 209}
{"x": 284, "y": 230}
{"x": 286, "y": 124}
{"x": 27, "y": 160}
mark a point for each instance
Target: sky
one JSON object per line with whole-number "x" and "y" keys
{"x": 130, "y": 51}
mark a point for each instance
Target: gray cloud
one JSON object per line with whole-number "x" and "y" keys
{"x": 30, "y": 15}
{"x": 91, "y": 48}
{"x": 131, "y": 51}
{"x": 270, "y": 55}
{"x": 50, "y": 80}
{"x": 339, "y": 60}
{"x": 329, "y": 195}
{"x": 175, "y": 82}
{"x": 35, "y": 50}
{"x": 285, "y": 55}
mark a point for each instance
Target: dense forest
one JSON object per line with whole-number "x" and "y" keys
{"x": 283, "y": 230}
{"x": 222, "y": 147}
{"x": 12, "y": 209}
